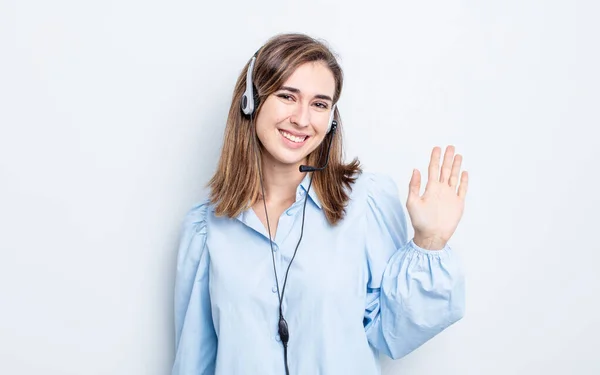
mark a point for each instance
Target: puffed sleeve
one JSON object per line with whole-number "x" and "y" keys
{"x": 413, "y": 293}
{"x": 195, "y": 338}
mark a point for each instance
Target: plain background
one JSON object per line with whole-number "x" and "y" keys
{"x": 112, "y": 115}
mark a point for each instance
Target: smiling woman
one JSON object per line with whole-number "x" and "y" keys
{"x": 295, "y": 82}
{"x": 357, "y": 285}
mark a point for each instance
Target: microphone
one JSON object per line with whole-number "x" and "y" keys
{"x": 308, "y": 168}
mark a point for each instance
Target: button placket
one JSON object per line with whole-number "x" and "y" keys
{"x": 276, "y": 254}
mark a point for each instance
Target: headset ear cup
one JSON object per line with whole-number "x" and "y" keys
{"x": 333, "y": 126}
{"x": 248, "y": 103}
{"x": 244, "y": 104}
{"x": 331, "y": 119}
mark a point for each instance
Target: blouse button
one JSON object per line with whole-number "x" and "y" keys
{"x": 275, "y": 247}
{"x": 274, "y": 289}
{"x": 289, "y": 212}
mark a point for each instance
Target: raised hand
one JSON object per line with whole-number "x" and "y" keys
{"x": 436, "y": 214}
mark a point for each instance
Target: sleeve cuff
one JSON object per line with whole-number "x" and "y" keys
{"x": 428, "y": 252}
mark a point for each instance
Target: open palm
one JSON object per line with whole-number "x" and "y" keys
{"x": 436, "y": 214}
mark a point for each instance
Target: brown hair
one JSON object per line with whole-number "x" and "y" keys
{"x": 235, "y": 186}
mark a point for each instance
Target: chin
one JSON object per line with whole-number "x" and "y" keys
{"x": 288, "y": 158}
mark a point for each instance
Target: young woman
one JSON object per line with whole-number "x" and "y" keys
{"x": 299, "y": 263}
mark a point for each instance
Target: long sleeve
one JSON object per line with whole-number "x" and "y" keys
{"x": 413, "y": 294}
{"x": 195, "y": 338}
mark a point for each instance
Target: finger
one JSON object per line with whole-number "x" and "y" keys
{"x": 414, "y": 186}
{"x": 447, "y": 164}
{"x": 434, "y": 165}
{"x": 464, "y": 184}
{"x": 455, "y": 169}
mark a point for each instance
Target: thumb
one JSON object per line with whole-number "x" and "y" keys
{"x": 414, "y": 186}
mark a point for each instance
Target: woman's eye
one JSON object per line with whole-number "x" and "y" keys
{"x": 321, "y": 105}
{"x": 285, "y": 96}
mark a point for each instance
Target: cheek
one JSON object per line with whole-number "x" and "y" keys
{"x": 317, "y": 142}
{"x": 321, "y": 130}
{"x": 274, "y": 111}
{"x": 322, "y": 124}
{"x": 266, "y": 130}
{"x": 266, "y": 122}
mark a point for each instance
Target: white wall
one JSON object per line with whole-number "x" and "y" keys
{"x": 111, "y": 119}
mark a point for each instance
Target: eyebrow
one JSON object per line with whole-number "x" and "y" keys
{"x": 297, "y": 91}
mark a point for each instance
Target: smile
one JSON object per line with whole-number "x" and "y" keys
{"x": 293, "y": 138}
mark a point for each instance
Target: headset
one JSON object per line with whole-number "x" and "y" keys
{"x": 250, "y": 98}
{"x": 249, "y": 104}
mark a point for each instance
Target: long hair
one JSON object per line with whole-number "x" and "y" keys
{"x": 235, "y": 186}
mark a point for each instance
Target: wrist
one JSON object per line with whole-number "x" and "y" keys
{"x": 429, "y": 243}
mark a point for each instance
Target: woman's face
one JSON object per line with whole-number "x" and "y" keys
{"x": 293, "y": 121}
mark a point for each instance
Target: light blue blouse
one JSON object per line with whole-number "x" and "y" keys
{"x": 354, "y": 290}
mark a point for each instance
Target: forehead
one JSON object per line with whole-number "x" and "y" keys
{"x": 312, "y": 78}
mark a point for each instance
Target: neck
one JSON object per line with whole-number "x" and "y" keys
{"x": 281, "y": 181}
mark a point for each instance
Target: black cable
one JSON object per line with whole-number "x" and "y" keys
{"x": 287, "y": 370}
{"x": 299, "y": 240}
{"x": 282, "y": 326}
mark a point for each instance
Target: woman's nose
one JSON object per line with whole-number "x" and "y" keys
{"x": 301, "y": 115}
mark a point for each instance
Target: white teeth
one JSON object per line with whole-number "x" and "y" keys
{"x": 292, "y": 138}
